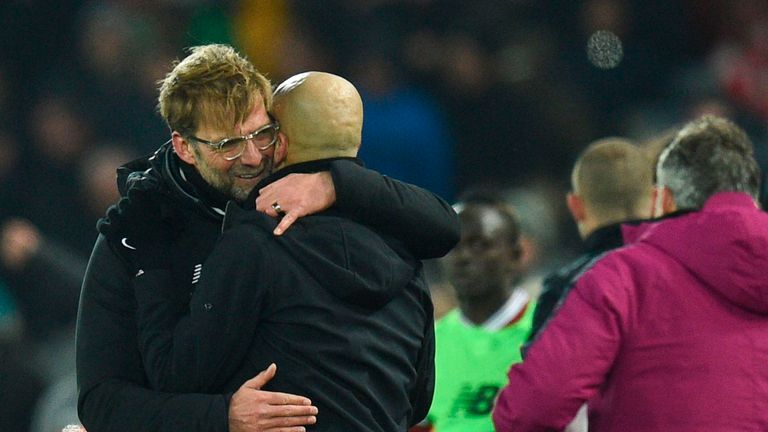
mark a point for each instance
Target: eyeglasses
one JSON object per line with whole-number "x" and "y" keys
{"x": 232, "y": 148}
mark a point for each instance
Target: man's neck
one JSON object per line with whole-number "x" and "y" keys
{"x": 497, "y": 314}
{"x": 478, "y": 310}
{"x": 204, "y": 191}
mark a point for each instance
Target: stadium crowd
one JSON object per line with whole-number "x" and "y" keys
{"x": 458, "y": 96}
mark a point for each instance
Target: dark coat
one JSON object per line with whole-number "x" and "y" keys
{"x": 113, "y": 389}
{"x": 348, "y": 321}
{"x": 557, "y": 285}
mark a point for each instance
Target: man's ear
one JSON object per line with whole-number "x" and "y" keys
{"x": 575, "y": 206}
{"x": 664, "y": 201}
{"x": 281, "y": 149}
{"x": 182, "y": 148}
{"x": 668, "y": 203}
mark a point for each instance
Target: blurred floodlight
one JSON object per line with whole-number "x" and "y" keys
{"x": 604, "y": 49}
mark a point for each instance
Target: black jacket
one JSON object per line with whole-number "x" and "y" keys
{"x": 347, "y": 320}
{"x": 555, "y": 287}
{"x": 112, "y": 384}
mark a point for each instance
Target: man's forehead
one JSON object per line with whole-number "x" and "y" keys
{"x": 484, "y": 220}
{"x": 257, "y": 118}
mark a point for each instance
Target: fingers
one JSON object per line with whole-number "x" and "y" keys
{"x": 287, "y": 429}
{"x": 280, "y": 422}
{"x": 267, "y": 197}
{"x": 286, "y": 404}
{"x": 291, "y": 429}
{"x": 262, "y": 378}
{"x": 277, "y": 398}
{"x": 289, "y": 423}
{"x": 263, "y": 422}
{"x": 287, "y": 220}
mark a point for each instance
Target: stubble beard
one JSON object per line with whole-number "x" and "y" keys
{"x": 225, "y": 183}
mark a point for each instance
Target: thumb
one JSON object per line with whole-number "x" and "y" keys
{"x": 262, "y": 378}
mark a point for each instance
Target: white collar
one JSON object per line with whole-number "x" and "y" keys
{"x": 510, "y": 310}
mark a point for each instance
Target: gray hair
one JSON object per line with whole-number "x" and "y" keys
{"x": 708, "y": 155}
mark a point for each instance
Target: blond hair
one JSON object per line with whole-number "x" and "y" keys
{"x": 614, "y": 179}
{"x": 213, "y": 86}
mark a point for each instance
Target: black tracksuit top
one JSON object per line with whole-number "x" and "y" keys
{"x": 113, "y": 385}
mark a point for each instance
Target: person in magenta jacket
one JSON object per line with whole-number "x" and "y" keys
{"x": 669, "y": 332}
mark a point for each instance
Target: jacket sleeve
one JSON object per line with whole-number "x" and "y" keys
{"x": 424, "y": 222}
{"x": 112, "y": 390}
{"x": 166, "y": 341}
{"x": 200, "y": 348}
{"x": 569, "y": 361}
{"x": 552, "y": 290}
{"x": 423, "y": 392}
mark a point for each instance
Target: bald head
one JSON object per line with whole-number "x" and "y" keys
{"x": 613, "y": 180}
{"x": 321, "y": 115}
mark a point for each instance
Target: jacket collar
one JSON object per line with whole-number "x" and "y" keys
{"x": 720, "y": 200}
{"x": 604, "y": 238}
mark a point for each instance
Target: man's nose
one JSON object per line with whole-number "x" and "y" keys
{"x": 251, "y": 154}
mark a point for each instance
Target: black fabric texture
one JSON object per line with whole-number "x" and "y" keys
{"x": 114, "y": 391}
{"x": 347, "y": 319}
{"x": 556, "y": 286}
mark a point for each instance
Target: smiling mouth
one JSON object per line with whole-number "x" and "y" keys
{"x": 249, "y": 176}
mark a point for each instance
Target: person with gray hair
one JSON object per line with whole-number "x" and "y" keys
{"x": 709, "y": 155}
{"x": 668, "y": 332}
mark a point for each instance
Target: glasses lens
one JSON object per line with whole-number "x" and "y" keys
{"x": 232, "y": 147}
{"x": 265, "y": 137}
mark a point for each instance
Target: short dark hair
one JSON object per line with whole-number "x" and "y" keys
{"x": 707, "y": 156}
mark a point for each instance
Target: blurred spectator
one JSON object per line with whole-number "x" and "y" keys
{"x": 56, "y": 407}
{"x": 634, "y": 336}
{"x": 740, "y": 57}
{"x": 513, "y": 84}
{"x": 121, "y": 54}
{"x": 46, "y": 273}
{"x": 21, "y": 385}
{"x": 98, "y": 181}
{"x": 60, "y": 136}
{"x": 611, "y": 185}
{"x": 44, "y": 278}
{"x": 10, "y": 175}
{"x": 262, "y": 28}
{"x": 405, "y": 134}
{"x": 475, "y": 343}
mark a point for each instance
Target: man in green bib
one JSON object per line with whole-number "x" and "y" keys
{"x": 477, "y": 342}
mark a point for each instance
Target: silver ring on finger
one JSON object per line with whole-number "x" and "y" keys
{"x": 276, "y": 207}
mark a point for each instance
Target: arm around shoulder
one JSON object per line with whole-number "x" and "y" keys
{"x": 424, "y": 222}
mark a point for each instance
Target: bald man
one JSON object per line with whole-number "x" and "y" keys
{"x": 343, "y": 312}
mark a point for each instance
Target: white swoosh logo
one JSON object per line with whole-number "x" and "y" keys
{"x": 124, "y": 241}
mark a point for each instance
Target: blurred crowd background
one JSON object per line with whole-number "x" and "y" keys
{"x": 458, "y": 95}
